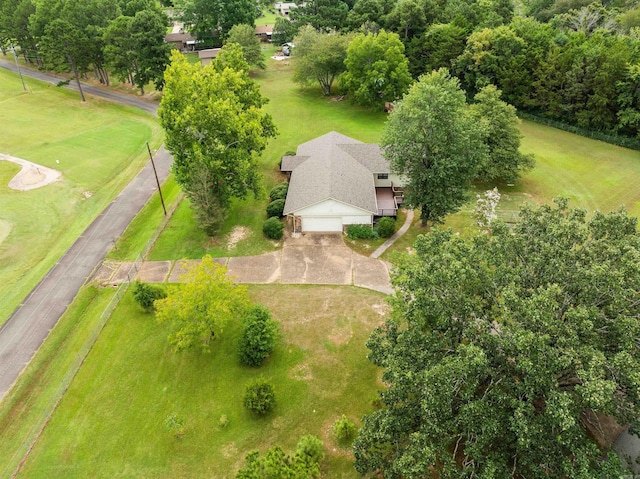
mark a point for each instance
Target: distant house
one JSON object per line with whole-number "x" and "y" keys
{"x": 207, "y": 55}
{"x": 181, "y": 41}
{"x": 285, "y": 7}
{"x": 337, "y": 181}
{"x": 264, "y": 32}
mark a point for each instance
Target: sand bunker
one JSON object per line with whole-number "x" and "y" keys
{"x": 32, "y": 175}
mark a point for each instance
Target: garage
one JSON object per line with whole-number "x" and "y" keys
{"x": 321, "y": 224}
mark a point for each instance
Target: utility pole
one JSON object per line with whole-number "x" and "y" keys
{"x": 15, "y": 56}
{"x": 157, "y": 180}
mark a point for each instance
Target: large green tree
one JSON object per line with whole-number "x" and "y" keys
{"x": 433, "y": 141}
{"x": 324, "y": 15}
{"x": 202, "y": 306}
{"x": 319, "y": 57}
{"x": 504, "y": 162}
{"x": 501, "y": 348}
{"x": 244, "y": 35}
{"x": 377, "y": 69}
{"x": 215, "y": 128}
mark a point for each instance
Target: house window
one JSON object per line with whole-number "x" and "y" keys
{"x": 383, "y": 176}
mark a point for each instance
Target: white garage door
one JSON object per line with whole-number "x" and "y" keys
{"x": 321, "y": 224}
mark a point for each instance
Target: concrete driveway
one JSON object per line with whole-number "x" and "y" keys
{"x": 309, "y": 259}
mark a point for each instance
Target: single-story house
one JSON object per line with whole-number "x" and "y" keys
{"x": 264, "y": 32}
{"x": 285, "y": 7}
{"x": 337, "y": 181}
{"x": 207, "y": 55}
{"x": 181, "y": 41}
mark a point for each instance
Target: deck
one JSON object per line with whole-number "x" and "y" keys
{"x": 388, "y": 201}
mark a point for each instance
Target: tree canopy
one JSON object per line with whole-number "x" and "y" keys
{"x": 504, "y": 162}
{"x": 319, "y": 57}
{"x": 500, "y": 349}
{"x": 202, "y": 306}
{"x": 377, "y": 69}
{"x": 244, "y": 35}
{"x": 432, "y": 139}
{"x": 215, "y": 128}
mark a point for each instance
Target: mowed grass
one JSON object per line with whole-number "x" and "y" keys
{"x": 111, "y": 421}
{"x": 98, "y": 146}
{"x": 22, "y": 409}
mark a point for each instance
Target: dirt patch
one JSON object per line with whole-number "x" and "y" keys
{"x": 5, "y": 229}
{"x": 32, "y": 175}
{"x": 238, "y": 233}
{"x": 381, "y": 309}
{"x": 229, "y": 450}
{"x": 342, "y": 333}
{"x": 301, "y": 372}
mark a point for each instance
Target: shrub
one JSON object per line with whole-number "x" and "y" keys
{"x": 259, "y": 337}
{"x": 259, "y": 397}
{"x": 275, "y": 208}
{"x": 175, "y": 425}
{"x": 273, "y": 228}
{"x": 223, "y": 421}
{"x": 344, "y": 430}
{"x": 386, "y": 227}
{"x": 309, "y": 450}
{"x": 361, "y": 232}
{"x": 146, "y": 294}
{"x": 279, "y": 192}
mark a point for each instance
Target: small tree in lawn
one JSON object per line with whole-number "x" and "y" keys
{"x": 175, "y": 425}
{"x": 202, "y": 306}
{"x": 485, "y": 211}
{"x": 260, "y": 398}
{"x": 258, "y": 338}
{"x": 146, "y": 294}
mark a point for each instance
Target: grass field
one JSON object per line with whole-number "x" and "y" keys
{"x": 111, "y": 421}
{"x": 98, "y": 146}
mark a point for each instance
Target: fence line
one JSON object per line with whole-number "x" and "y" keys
{"x": 17, "y": 461}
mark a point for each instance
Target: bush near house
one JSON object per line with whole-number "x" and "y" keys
{"x": 386, "y": 227}
{"x": 275, "y": 208}
{"x": 279, "y": 192}
{"x": 273, "y": 228}
{"x": 361, "y": 232}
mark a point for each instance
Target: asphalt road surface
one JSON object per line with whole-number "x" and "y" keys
{"x": 29, "y": 325}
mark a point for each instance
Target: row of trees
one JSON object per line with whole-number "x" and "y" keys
{"x": 122, "y": 36}
{"x": 591, "y": 80}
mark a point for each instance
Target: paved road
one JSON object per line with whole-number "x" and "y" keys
{"x": 130, "y": 100}
{"x": 27, "y": 328}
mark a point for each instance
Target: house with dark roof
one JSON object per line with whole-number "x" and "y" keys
{"x": 336, "y": 181}
{"x": 264, "y": 32}
{"x": 181, "y": 41}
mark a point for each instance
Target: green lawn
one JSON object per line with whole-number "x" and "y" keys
{"x": 111, "y": 421}
{"x": 22, "y": 410}
{"x": 268, "y": 18}
{"x": 98, "y": 146}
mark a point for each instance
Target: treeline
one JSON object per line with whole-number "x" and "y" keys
{"x": 568, "y": 61}
{"x": 124, "y": 37}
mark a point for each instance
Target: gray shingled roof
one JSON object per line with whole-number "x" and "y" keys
{"x": 289, "y": 163}
{"x": 369, "y": 156}
{"x": 334, "y": 168}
